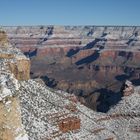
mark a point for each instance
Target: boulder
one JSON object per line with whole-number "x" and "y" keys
{"x": 69, "y": 124}
{"x": 128, "y": 88}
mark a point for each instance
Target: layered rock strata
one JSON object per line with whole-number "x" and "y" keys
{"x": 81, "y": 59}
{"x": 50, "y": 114}
{"x": 11, "y": 127}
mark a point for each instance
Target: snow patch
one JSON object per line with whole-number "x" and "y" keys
{"x": 22, "y": 137}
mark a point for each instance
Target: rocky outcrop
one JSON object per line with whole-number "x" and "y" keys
{"x": 3, "y": 38}
{"x": 21, "y": 69}
{"x": 69, "y": 124}
{"x": 128, "y": 88}
{"x": 11, "y": 127}
{"x": 6, "y": 56}
{"x": 16, "y": 62}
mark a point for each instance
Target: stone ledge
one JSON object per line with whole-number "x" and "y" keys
{"x": 69, "y": 124}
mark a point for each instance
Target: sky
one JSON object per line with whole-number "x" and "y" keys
{"x": 70, "y": 12}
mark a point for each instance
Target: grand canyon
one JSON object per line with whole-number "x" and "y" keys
{"x": 91, "y": 62}
{"x": 30, "y": 110}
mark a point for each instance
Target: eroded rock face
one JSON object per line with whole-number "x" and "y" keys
{"x": 79, "y": 58}
{"x": 3, "y": 38}
{"x": 128, "y": 88}
{"x": 16, "y": 62}
{"x": 21, "y": 69}
{"x": 11, "y": 127}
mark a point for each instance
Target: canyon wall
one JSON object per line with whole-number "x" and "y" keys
{"x": 11, "y": 127}
{"x": 84, "y": 60}
{"x": 48, "y": 114}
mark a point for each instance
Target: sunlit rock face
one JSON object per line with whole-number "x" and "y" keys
{"x": 81, "y": 59}
{"x": 11, "y": 127}
{"x": 3, "y": 38}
